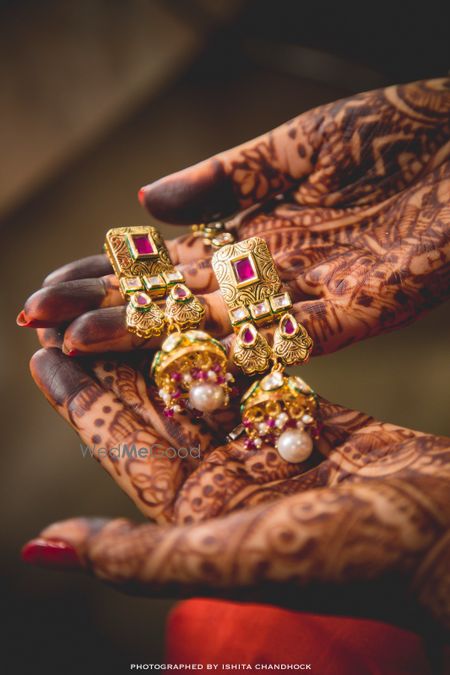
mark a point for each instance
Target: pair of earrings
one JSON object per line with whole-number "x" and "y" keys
{"x": 190, "y": 369}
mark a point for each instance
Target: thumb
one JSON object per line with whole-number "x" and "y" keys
{"x": 235, "y": 179}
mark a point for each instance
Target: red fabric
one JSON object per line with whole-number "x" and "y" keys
{"x": 214, "y": 631}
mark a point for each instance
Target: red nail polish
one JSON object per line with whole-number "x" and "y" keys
{"x": 71, "y": 352}
{"x": 47, "y": 553}
{"x": 21, "y": 320}
{"x": 141, "y": 196}
{"x": 30, "y": 323}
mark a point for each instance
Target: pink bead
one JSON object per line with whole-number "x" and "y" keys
{"x": 176, "y": 377}
{"x": 270, "y": 422}
{"x": 168, "y": 412}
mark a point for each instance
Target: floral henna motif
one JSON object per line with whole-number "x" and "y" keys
{"x": 349, "y": 152}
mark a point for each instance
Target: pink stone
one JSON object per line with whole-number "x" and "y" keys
{"x": 247, "y": 424}
{"x": 220, "y": 379}
{"x": 141, "y": 299}
{"x": 289, "y": 327}
{"x": 180, "y": 292}
{"x": 217, "y": 367}
{"x": 168, "y": 412}
{"x": 244, "y": 270}
{"x": 270, "y": 422}
{"x": 248, "y": 336}
{"x": 142, "y": 244}
{"x": 176, "y": 377}
{"x": 176, "y": 394}
{"x": 249, "y": 444}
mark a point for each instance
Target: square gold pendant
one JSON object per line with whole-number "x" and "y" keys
{"x": 247, "y": 278}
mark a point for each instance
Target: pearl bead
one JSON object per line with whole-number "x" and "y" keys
{"x": 295, "y": 445}
{"x": 206, "y": 397}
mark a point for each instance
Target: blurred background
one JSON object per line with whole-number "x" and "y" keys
{"x": 98, "y": 97}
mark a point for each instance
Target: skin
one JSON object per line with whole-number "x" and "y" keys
{"x": 352, "y": 198}
{"x": 360, "y": 237}
{"x": 369, "y": 511}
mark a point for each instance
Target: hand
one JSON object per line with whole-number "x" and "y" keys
{"x": 360, "y": 234}
{"x": 369, "y": 511}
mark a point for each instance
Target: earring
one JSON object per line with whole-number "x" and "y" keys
{"x": 214, "y": 235}
{"x": 190, "y": 369}
{"x": 279, "y": 410}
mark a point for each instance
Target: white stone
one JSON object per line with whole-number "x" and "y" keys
{"x": 307, "y": 419}
{"x": 263, "y": 428}
{"x": 281, "y": 420}
{"x": 272, "y": 381}
{"x": 280, "y": 301}
{"x": 257, "y": 442}
{"x": 154, "y": 281}
{"x": 260, "y": 309}
{"x": 207, "y": 397}
{"x": 295, "y": 445}
{"x": 239, "y": 314}
{"x": 173, "y": 276}
{"x": 171, "y": 342}
{"x": 211, "y": 375}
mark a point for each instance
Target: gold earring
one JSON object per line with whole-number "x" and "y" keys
{"x": 279, "y": 410}
{"x": 190, "y": 369}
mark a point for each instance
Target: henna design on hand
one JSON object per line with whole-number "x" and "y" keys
{"x": 352, "y": 198}
{"x": 371, "y": 505}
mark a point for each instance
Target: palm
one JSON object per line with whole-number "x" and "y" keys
{"x": 195, "y": 475}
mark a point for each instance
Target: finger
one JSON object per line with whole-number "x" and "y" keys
{"x": 233, "y": 180}
{"x": 61, "y": 302}
{"x": 187, "y": 249}
{"x": 110, "y": 430}
{"x": 51, "y": 337}
{"x": 86, "y": 268}
{"x": 105, "y": 330}
{"x": 374, "y": 530}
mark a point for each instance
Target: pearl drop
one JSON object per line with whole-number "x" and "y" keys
{"x": 295, "y": 445}
{"x": 206, "y": 397}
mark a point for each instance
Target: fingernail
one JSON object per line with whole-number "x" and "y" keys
{"x": 21, "y": 320}
{"x": 29, "y": 323}
{"x": 70, "y": 352}
{"x": 141, "y": 196}
{"x": 45, "y": 553}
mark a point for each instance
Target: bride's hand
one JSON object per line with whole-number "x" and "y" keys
{"x": 369, "y": 511}
{"x": 359, "y": 231}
